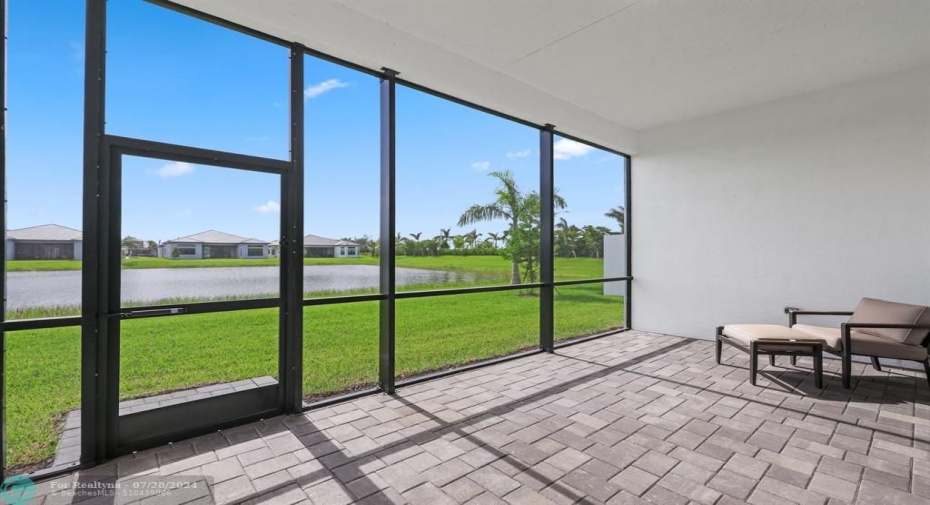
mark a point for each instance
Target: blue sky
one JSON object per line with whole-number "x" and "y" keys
{"x": 175, "y": 79}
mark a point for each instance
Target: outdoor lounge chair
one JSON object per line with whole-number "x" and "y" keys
{"x": 877, "y": 328}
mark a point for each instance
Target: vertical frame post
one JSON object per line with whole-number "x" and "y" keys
{"x": 3, "y": 223}
{"x": 547, "y": 233}
{"x": 628, "y": 231}
{"x": 94, "y": 284}
{"x": 290, "y": 346}
{"x": 388, "y": 225}
{"x": 110, "y": 214}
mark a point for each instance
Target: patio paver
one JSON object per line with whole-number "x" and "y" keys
{"x": 630, "y": 418}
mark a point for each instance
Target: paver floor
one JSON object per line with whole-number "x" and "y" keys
{"x": 630, "y": 418}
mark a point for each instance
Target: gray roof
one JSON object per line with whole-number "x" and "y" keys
{"x": 214, "y": 237}
{"x": 317, "y": 241}
{"x": 46, "y": 232}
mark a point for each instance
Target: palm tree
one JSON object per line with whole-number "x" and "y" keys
{"x": 443, "y": 238}
{"x": 618, "y": 213}
{"x": 593, "y": 239}
{"x": 510, "y": 205}
{"x": 495, "y": 237}
{"x": 472, "y": 238}
{"x": 567, "y": 237}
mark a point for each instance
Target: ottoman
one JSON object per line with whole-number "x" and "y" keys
{"x": 772, "y": 340}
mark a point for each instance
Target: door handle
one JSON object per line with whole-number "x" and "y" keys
{"x": 135, "y": 314}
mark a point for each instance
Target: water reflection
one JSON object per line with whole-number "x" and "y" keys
{"x": 63, "y": 288}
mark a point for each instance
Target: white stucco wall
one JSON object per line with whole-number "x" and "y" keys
{"x": 166, "y": 250}
{"x": 243, "y": 252}
{"x": 9, "y": 250}
{"x": 812, "y": 201}
{"x": 339, "y": 254}
{"x": 615, "y": 264}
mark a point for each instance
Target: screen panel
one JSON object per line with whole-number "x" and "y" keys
{"x": 436, "y": 333}
{"x": 340, "y": 348}
{"x": 203, "y": 86}
{"x": 42, "y": 380}
{"x": 590, "y": 225}
{"x": 342, "y": 203}
{"x": 43, "y": 246}
{"x": 194, "y": 233}
{"x": 582, "y": 310}
{"x": 167, "y": 360}
{"x": 467, "y": 196}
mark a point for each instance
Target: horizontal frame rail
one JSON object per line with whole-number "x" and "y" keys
{"x": 201, "y": 307}
{"x": 340, "y": 398}
{"x": 312, "y": 302}
{"x": 465, "y": 291}
{"x": 472, "y": 105}
{"x": 592, "y": 144}
{"x": 174, "y": 152}
{"x": 40, "y": 324}
{"x": 267, "y": 303}
{"x": 466, "y": 367}
{"x": 580, "y": 340}
{"x": 591, "y": 281}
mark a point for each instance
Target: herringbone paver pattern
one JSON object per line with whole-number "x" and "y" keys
{"x": 630, "y": 418}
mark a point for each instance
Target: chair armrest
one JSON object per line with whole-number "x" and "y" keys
{"x": 884, "y": 325}
{"x": 846, "y": 330}
{"x": 793, "y": 314}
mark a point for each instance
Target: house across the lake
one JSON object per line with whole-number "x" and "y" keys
{"x": 213, "y": 244}
{"x": 322, "y": 247}
{"x": 46, "y": 242}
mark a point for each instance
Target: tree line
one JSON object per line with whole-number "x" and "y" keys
{"x": 519, "y": 242}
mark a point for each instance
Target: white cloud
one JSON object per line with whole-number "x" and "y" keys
{"x": 518, "y": 154}
{"x": 566, "y": 149}
{"x": 268, "y": 207}
{"x": 481, "y": 165}
{"x": 328, "y": 85}
{"x": 175, "y": 169}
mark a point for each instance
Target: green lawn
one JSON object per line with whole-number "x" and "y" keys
{"x": 340, "y": 346}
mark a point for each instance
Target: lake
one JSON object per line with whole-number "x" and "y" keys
{"x": 63, "y": 288}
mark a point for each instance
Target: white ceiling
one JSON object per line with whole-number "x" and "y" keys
{"x": 603, "y": 70}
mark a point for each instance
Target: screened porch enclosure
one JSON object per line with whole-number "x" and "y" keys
{"x": 391, "y": 306}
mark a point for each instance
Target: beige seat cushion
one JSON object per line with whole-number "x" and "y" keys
{"x": 871, "y": 310}
{"x": 865, "y": 344}
{"x": 747, "y": 333}
{"x": 831, "y": 336}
